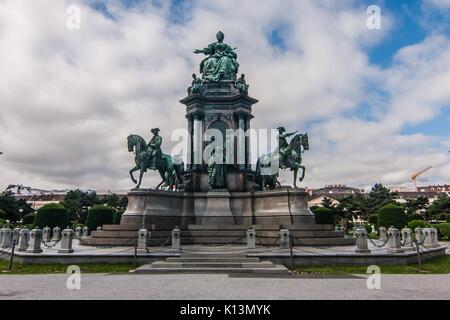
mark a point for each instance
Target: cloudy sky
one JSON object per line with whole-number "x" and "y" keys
{"x": 375, "y": 102}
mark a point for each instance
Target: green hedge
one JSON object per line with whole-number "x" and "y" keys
{"x": 117, "y": 216}
{"x": 418, "y": 224}
{"x": 98, "y": 216}
{"x": 415, "y": 216}
{"x": 2, "y": 214}
{"x": 324, "y": 215}
{"x": 391, "y": 215}
{"x": 373, "y": 219}
{"x": 29, "y": 218}
{"x": 444, "y": 229}
{"x": 51, "y": 215}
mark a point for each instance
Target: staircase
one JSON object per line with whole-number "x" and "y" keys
{"x": 212, "y": 263}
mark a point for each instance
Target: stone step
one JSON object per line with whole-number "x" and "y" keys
{"x": 197, "y": 258}
{"x": 276, "y": 270}
{"x": 212, "y": 264}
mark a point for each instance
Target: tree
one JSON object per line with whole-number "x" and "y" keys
{"x": 439, "y": 206}
{"x": 10, "y": 206}
{"x": 115, "y": 202}
{"x": 378, "y": 197}
{"x": 416, "y": 205}
{"x": 78, "y": 202}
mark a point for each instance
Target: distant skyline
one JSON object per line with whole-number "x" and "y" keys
{"x": 375, "y": 103}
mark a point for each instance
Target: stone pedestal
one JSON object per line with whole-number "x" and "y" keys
{"x": 218, "y": 210}
{"x": 66, "y": 241}
{"x": 361, "y": 241}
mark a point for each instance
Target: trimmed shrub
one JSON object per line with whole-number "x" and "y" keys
{"x": 2, "y": 214}
{"x": 51, "y": 215}
{"x": 418, "y": 224}
{"x": 391, "y": 215}
{"x": 324, "y": 216}
{"x": 117, "y": 216}
{"x": 415, "y": 216}
{"x": 368, "y": 228}
{"x": 444, "y": 229}
{"x": 98, "y": 216}
{"x": 373, "y": 219}
{"x": 29, "y": 218}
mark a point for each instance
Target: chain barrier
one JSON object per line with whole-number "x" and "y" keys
{"x": 50, "y": 244}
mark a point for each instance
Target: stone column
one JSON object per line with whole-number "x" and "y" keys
{"x": 78, "y": 232}
{"x": 251, "y": 239}
{"x": 46, "y": 234}
{"x": 361, "y": 241}
{"x": 383, "y": 233}
{"x": 407, "y": 238}
{"x": 143, "y": 236}
{"x": 35, "y": 241}
{"x": 7, "y": 238}
{"x": 284, "y": 239}
{"x": 15, "y": 235}
{"x": 66, "y": 241}
{"x": 176, "y": 237}
{"x": 394, "y": 243}
{"x": 85, "y": 232}
{"x": 419, "y": 234}
{"x": 24, "y": 237}
{"x": 56, "y": 234}
{"x": 240, "y": 156}
{"x": 198, "y": 142}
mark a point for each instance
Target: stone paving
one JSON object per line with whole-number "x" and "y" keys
{"x": 212, "y": 287}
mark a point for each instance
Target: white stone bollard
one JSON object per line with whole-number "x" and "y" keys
{"x": 394, "y": 242}
{"x": 15, "y": 235}
{"x": 99, "y": 228}
{"x": 383, "y": 233}
{"x": 56, "y": 234}
{"x": 35, "y": 241}
{"x": 78, "y": 232}
{"x": 430, "y": 236}
{"x": 176, "y": 239}
{"x": 419, "y": 234}
{"x": 143, "y": 236}
{"x": 434, "y": 236}
{"x": 7, "y": 238}
{"x": 251, "y": 239}
{"x": 2, "y": 230}
{"x": 46, "y": 234}
{"x": 284, "y": 239}
{"x": 361, "y": 241}
{"x": 24, "y": 238}
{"x": 85, "y": 232}
{"x": 66, "y": 241}
{"x": 407, "y": 238}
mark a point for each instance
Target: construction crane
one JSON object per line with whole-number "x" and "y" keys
{"x": 414, "y": 176}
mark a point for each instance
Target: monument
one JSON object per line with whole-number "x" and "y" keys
{"x": 215, "y": 199}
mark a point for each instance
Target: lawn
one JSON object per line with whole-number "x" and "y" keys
{"x": 440, "y": 265}
{"x": 61, "y": 268}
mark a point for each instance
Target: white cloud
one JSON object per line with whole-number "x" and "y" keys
{"x": 70, "y": 98}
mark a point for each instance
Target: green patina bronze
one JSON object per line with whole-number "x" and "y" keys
{"x": 196, "y": 86}
{"x": 150, "y": 156}
{"x": 217, "y": 169}
{"x": 242, "y": 85}
{"x": 221, "y": 63}
{"x": 286, "y": 156}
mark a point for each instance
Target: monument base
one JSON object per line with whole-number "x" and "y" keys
{"x": 219, "y": 217}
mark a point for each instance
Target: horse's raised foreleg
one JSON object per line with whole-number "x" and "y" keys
{"x": 303, "y": 173}
{"x": 131, "y": 174}
{"x": 141, "y": 174}
{"x": 295, "y": 177}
